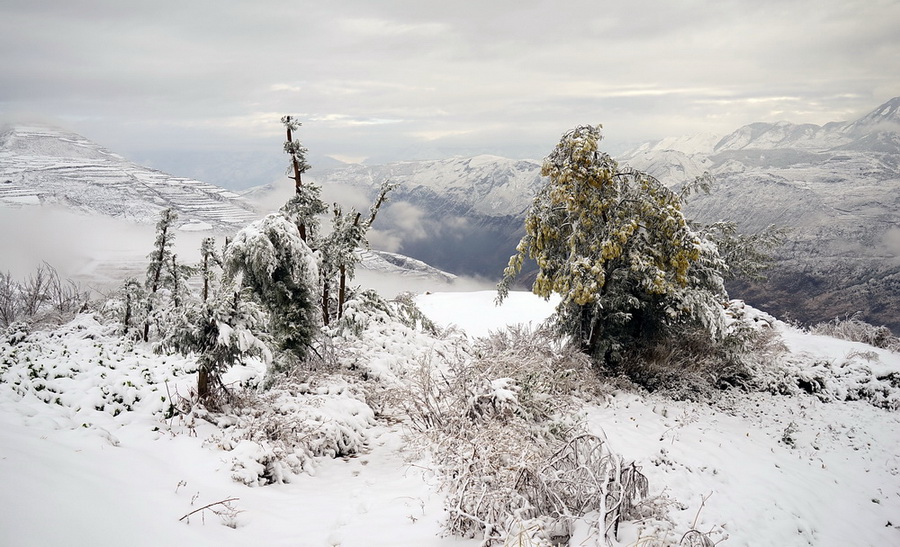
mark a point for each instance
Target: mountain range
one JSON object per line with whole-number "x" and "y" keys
{"x": 835, "y": 187}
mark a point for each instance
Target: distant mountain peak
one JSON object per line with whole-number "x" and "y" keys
{"x": 885, "y": 117}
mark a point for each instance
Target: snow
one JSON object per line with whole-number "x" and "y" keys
{"x": 476, "y": 314}
{"x": 89, "y": 455}
{"x": 196, "y": 226}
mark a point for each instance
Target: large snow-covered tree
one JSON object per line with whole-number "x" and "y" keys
{"x": 614, "y": 244}
{"x": 270, "y": 258}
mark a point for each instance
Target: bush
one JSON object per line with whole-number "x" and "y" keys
{"x": 697, "y": 365}
{"x": 279, "y": 433}
{"x": 854, "y": 329}
{"x": 505, "y": 438}
{"x": 42, "y": 298}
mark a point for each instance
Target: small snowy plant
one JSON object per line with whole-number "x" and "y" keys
{"x": 221, "y": 332}
{"x": 512, "y": 455}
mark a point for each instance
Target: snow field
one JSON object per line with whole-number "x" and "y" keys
{"x": 91, "y": 455}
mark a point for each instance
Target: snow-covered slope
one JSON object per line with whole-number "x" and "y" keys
{"x": 47, "y": 165}
{"x": 89, "y": 454}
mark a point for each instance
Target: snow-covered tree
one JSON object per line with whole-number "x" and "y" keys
{"x": 159, "y": 270}
{"x": 221, "y": 332}
{"x": 209, "y": 258}
{"x": 614, "y": 244}
{"x": 270, "y": 258}
{"x": 339, "y": 249}
{"x": 305, "y": 204}
{"x": 133, "y": 306}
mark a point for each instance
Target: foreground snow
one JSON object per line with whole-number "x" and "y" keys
{"x": 89, "y": 457}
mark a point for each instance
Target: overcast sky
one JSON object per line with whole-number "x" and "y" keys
{"x": 400, "y": 79}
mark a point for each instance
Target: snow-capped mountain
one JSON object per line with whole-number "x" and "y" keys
{"x": 836, "y": 187}
{"x": 484, "y": 185}
{"x": 45, "y": 165}
{"x": 117, "y": 203}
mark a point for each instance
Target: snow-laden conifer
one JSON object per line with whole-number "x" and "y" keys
{"x": 161, "y": 267}
{"x": 271, "y": 259}
{"x": 614, "y": 244}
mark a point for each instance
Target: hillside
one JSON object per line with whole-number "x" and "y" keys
{"x": 50, "y": 166}
{"x": 459, "y": 214}
{"x": 97, "y": 210}
{"x": 90, "y": 454}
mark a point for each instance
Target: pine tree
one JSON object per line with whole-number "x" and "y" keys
{"x": 271, "y": 259}
{"x": 306, "y": 203}
{"x": 339, "y": 248}
{"x": 133, "y": 304}
{"x": 209, "y": 258}
{"x": 160, "y": 269}
{"x": 614, "y": 244}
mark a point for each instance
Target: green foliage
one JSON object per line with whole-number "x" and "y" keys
{"x": 222, "y": 331}
{"x": 158, "y": 270}
{"x": 271, "y": 259}
{"x": 614, "y": 244}
{"x": 303, "y": 209}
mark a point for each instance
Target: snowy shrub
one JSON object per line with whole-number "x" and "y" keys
{"x": 502, "y": 431}
{"x": 697, "y": 365}
{"x": 87, "y": 375}
{"x": 378, "y": 339}
{"x": 859, "y": 376}
{"x": 279, "y": 433}
{"x": 41, "y": 299}
{"x": 856, "y": 330}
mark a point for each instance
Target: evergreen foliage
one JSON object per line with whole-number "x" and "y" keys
{"x": 337, "y": 249}
{"x": 209, "y": 258}
{"x": 162, "y": 271}
{"x": 271, "y": 259}
{"x": 614, "y": 243}
{"x": 222, "y": 332}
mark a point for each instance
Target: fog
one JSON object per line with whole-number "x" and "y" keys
{"x": 98, "y": 252}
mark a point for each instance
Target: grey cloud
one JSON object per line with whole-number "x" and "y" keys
{"x": 390, "y": 80}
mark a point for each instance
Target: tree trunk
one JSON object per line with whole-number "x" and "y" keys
{"x": 342, "y": 291}
{"x": 127, "y": 320}
{"x": 325, "y": 317}
{"x": 298, "y": 182}
{"x": 202, "y": 383}
{"x": 205, "y": 277}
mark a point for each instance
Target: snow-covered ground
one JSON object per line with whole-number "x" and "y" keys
{"x": 88, "y": 455}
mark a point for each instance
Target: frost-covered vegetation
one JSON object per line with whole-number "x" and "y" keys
{"x": 273, "y": 365}
{"x": 633, "y": 274}
{"x": 40, "y": 298}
